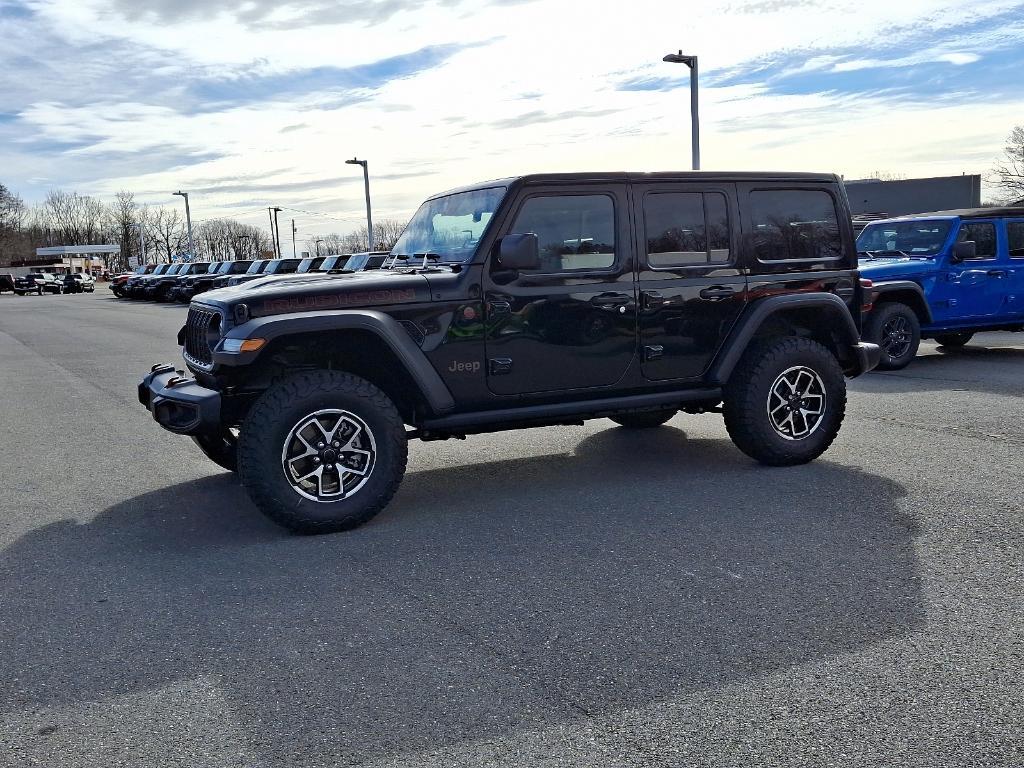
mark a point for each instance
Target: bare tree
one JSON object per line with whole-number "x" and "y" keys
{"x": 385, "y": 234}
{"x": 166, "y": 226}
{"x": 12, "y": 218}
{"x": 125, "y": 218}
{"x": 75, "y": 219}
{"x": 1008, "y": 173}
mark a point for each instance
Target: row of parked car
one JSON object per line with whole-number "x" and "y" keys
{"x": 46, "y": 282}
{"x": 180, "y": 282}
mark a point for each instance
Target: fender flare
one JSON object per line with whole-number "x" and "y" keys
{"x": 383, "y": 326}
{"x": 891, "y": 286}
{"x": 755, "y": 314}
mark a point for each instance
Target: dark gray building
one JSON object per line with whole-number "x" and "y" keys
{"x": 907, "y": 196}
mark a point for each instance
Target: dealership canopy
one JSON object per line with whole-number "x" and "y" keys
{"x": 78, "y": 250}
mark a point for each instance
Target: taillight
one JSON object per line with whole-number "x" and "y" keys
{"x": 868, "y": 304}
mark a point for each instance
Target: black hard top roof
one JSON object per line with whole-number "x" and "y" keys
{"x": 966, "y": 213}
{"x": 639, "y": 176}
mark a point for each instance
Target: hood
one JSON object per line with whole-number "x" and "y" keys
{"x": 310, "y": 292}
{"x": 896, "y": 267}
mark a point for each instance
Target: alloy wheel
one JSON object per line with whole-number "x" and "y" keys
{"x": 328, "y": 455}
{"x": 796, "y": 403}
{"x": 896, "y": 337}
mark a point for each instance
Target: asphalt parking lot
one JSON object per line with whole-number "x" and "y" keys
{"x": 566, "y": 596}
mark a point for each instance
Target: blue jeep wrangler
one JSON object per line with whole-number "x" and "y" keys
{"x": 943, "y": 276}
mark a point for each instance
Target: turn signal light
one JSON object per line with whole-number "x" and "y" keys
{"x": 242, "y": 345}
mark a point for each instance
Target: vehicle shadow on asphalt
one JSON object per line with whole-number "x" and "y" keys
{"x": 963, "y": 366}
{"x": 489, "y": 598}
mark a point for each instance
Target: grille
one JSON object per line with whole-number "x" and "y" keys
{"x": 197, "y": 333}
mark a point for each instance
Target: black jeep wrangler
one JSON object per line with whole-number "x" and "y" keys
{"x": 525, "y": 302}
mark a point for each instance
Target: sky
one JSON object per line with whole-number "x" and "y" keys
{"x": 257, "y": 103}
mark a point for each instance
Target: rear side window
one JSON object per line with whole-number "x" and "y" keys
{"x": 573, "y": 231}
{"x": 984, "y": 236}
{"x": 686, "y": 228}
{"x": 1015, "y": 236}
{"x": 795, "y": 225}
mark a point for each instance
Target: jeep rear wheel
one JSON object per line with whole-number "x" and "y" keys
{"x": 954, "y": 340}
{"x": 322, "y": 451}
{"x": 785, "y": 401}
{"x": 644, "y": 419}
{"x": 896, "y": 330}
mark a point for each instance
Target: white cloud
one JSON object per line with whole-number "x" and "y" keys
{"x": 454, "y": 121}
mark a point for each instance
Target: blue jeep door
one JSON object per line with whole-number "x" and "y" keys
{"x": 979, "y": 287}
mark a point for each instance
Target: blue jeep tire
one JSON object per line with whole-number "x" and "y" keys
{"x": 894, "y": 327}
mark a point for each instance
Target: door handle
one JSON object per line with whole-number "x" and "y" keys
{"x": 611, "y": 300}
{"x": 996, "y": 273}
{"x": 653, "y": 300}
{"x": 717, "y": 292}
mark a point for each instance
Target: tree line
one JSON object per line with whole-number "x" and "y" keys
{"x": 68, "y": 218}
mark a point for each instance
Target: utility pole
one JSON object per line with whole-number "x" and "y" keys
{"x": 293, "y": 238}
{"x": 366, "y": 183}
{"x": 142, "y": 242}
{"x": 270, "y": 213}
{"x": 188, "y": 219}
{"x": 691, "y": 62}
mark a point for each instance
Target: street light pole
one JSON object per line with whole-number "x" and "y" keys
{"x": 188, "y": 219}
{"x": 277, "y": 231}
{"x": 293, "y": 238}
{"x": 366, "y": 184}
{"x": 691, "y": 62}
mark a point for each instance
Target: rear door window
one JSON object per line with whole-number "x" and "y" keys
{"x": 1015, "y": 238}
{"x": 686, "y": 229}
{"x": 794, "y": 225}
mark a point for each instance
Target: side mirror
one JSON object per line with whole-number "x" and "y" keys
{"x": 964, "y": 250}
{"x": 519, "y": 252}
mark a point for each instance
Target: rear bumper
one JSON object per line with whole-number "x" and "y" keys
{"x": 179, "y": 404}
{"x": 866, "y": 356}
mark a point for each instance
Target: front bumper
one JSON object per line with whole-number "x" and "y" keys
{"x": 866, "y": 356}
{"x": 179, "y": 404}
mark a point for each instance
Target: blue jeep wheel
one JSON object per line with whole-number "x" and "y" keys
{"x": 894, "y": 327}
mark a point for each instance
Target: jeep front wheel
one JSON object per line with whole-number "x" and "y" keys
{"x": 322, "y": 451}
{"x": 785, "y": 401}
{"x": 896, "y": 330}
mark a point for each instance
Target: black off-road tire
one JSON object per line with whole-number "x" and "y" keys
{"x": 644, "y": 419}
{"x": 222, "y": 450}
{"x": 954, "y": 340}
{"x": 746, "y": 404}
{"x": 899, "y": 350}
{"x": 284, "y": 406}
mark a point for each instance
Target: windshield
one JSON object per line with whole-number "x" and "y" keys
{"x": 333, "y": 262}
{"x": 310, "y": 264}
{"x": 451, "y": 226}
{"x": 237, "y": 267}
{"x": 924, "y": 237}
{"x": 256, "y": 268}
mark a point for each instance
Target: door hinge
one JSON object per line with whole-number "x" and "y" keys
{"x": 653, "y": 351}
{"x": 497, "y": 366}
